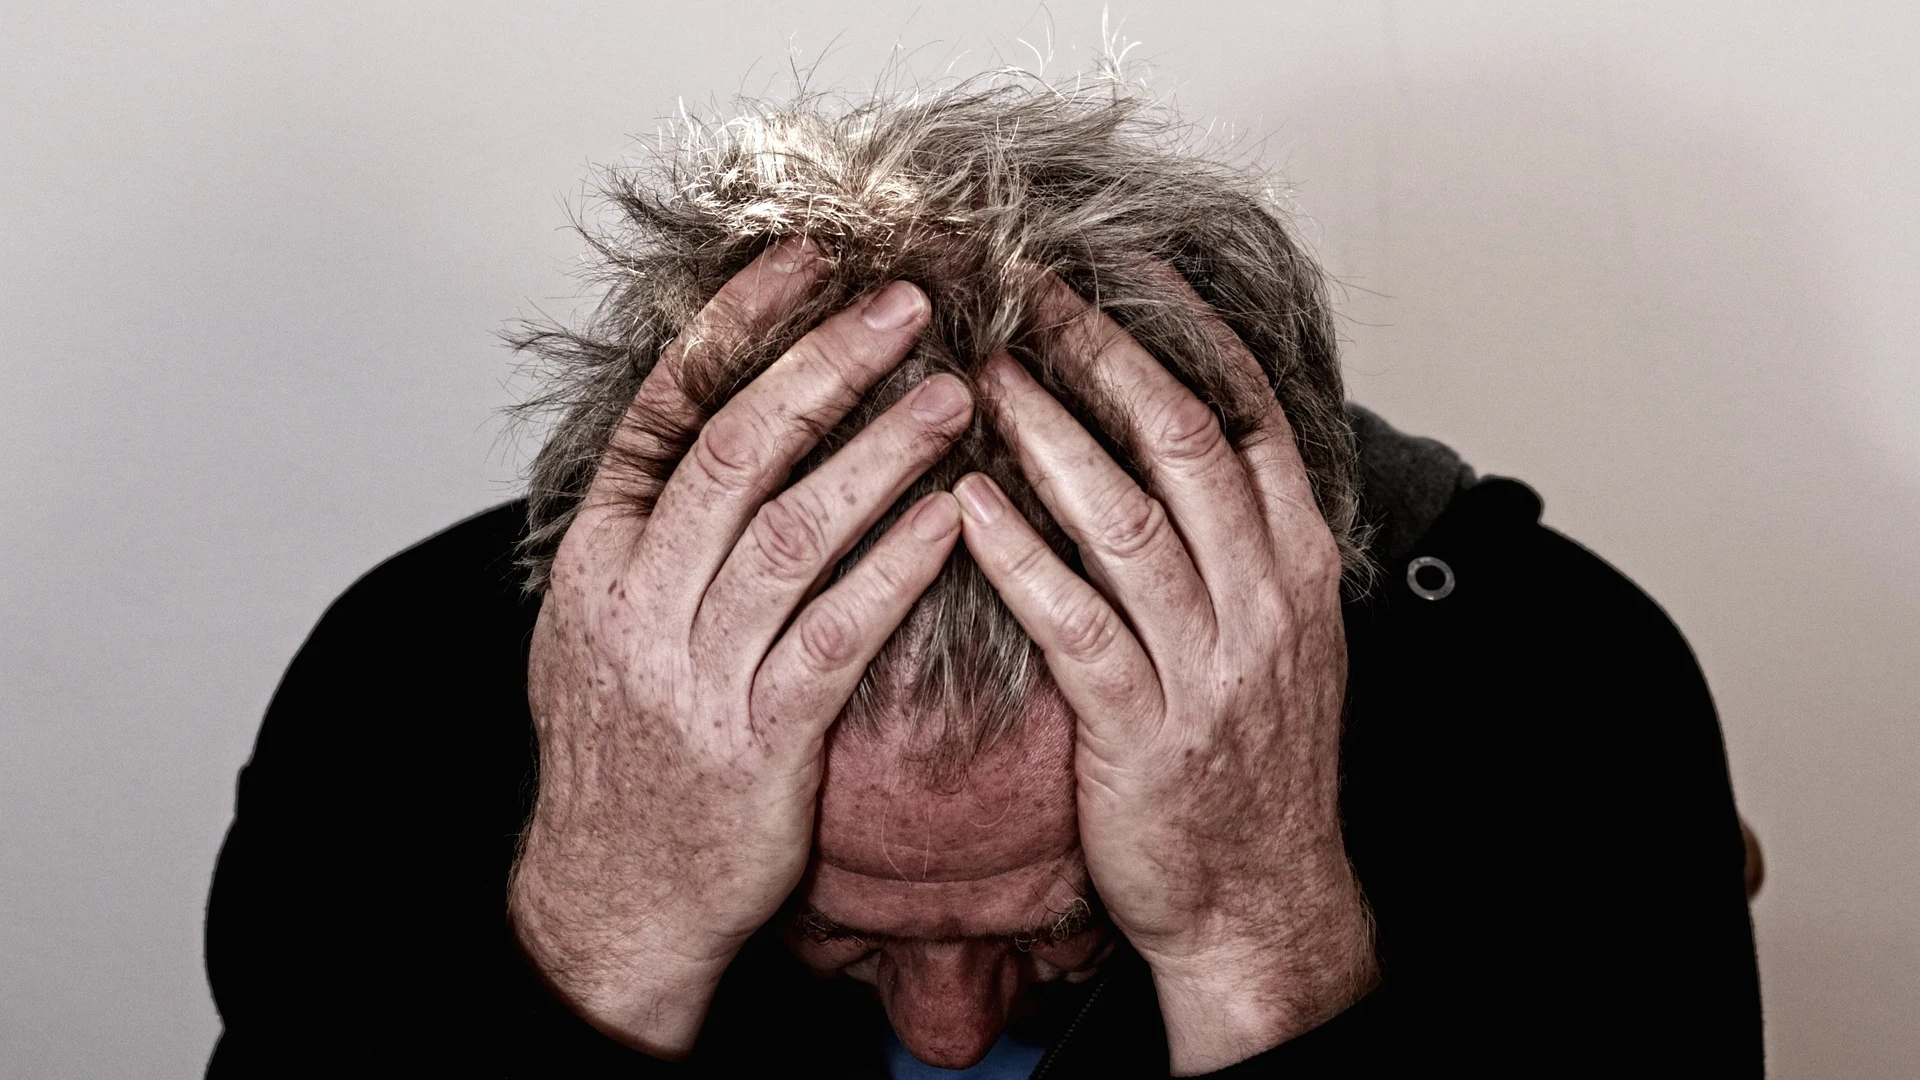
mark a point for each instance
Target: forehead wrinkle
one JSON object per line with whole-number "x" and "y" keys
{"x": 810, "y": 913}
{"x": 877, "y": 807}
{"x": 944, "y": 905}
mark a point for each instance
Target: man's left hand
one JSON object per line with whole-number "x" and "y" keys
{"x": 1206, "y": 663}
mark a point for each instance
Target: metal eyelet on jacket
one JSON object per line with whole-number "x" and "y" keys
{"x": 1429, "y": 578}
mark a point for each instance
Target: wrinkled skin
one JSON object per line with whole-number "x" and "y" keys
{"x": 685, "y": 679}
{"x": 951, "y": 899}
{"x": 1206, "y": 665}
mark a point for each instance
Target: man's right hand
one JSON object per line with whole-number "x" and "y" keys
{"x": 682, "y": 683}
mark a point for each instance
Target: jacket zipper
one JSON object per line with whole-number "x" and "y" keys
{"x": 1041, "y": 1070}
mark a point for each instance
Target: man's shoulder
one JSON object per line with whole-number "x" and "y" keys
{"x": 464, "y": 577}
{"x": 1486, "y": 580}
{"x": 446, "y": 620}
{"x": 1439, "y": 531}
{"x": 1406, "y": 483}
{"x": 478, "y": 553}
{"x": 424, "y": 657}
{"x": 1493, "y": 643}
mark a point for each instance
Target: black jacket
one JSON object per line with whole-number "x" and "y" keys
{"x": 1535, "y": 791}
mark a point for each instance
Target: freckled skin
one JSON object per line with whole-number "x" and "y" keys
{"x": 1187, "y": 768}
{"x": 683, "y": 673}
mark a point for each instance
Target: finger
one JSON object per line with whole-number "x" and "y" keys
{"x": 1174, "y": 436}
{"x": 1096, "y": 661}
{"x": 747, "y": 450}
{"x": 1281, "y": 482}
{"x": 796, "y": 538}
{"x": 814, "y": 668}
{"x": 1126, "y": 539}
{"x": 1272, "y": 455}
{"x": 663, "y": 419}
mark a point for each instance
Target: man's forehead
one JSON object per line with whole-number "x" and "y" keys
{"x": 883, "y": 816}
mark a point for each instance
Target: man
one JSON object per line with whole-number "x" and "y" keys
{"x": 967, "y": 630}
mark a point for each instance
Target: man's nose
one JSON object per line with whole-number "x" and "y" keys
{"x": 948, "y": 1000}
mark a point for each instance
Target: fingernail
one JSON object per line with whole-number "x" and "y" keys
{"x": 982, "y": 500}
{"x": 936, "y": 517}
{"x": 892, "y": 307}
{"x": 791, "y": 254}
{"x": 939, "y": 399}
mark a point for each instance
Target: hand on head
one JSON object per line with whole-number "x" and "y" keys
{"x": 685, "y": 677}
{"x": 1205, "y": 659}
{"x": 681, "y": 718}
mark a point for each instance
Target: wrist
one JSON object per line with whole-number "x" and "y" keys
{"x": 1238, "y": 999}
{"x": 645, "y": 981}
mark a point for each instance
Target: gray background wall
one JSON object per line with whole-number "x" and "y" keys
{"x": 1659, "y": 260}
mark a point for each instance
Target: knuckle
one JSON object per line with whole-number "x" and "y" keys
{"x": 1030, "y": 561}
{"x": 729, "y": 452}
{"x": 890, "y": 575}
{"x": 789, "y": 535}
{"x": 813, "y": 349}
{"x": 1132, "y": 522}
{"x": 825, "y": 351}
{"x": 829, "y": 638}
{"x": 1187, "y": 430}
{"x": 1085, "y": 627}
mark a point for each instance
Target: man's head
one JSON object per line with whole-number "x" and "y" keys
{"x": 947, "y": 866}
{"x": 950, "y": 898}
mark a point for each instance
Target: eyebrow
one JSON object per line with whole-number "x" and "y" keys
{"x": 1078, "y": 916}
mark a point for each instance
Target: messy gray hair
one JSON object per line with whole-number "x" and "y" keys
{"x": 973, "y": 192}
